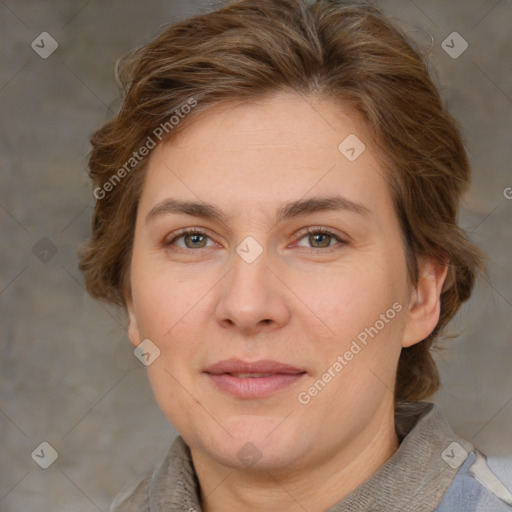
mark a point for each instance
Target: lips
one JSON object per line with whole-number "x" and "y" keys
{"x": 258, "y": 379}
{"x": 262, "y": 367}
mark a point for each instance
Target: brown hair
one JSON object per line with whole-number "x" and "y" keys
{"x": 249, "y": 49}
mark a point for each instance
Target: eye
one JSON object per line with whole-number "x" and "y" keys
{"x": 319, "y": 238}
{"x": 191, "y": 238}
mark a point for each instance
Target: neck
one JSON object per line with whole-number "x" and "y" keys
{"x": 315, "y": 487}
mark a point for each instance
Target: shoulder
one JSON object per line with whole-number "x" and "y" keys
{"x": 133, "y": 497}
{"x": 476, "y": 488}
{"x": 170, "y": 486}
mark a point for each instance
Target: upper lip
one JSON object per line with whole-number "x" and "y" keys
{"x": 263, "y": 366}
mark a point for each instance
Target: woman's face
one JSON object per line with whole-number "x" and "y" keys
{"x": 277, "y": 346}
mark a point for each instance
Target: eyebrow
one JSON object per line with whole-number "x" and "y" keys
{"x": 287, "y": 211}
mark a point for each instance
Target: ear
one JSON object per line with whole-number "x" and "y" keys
{"x": 133, "y": 328}
{"x": 425, "y": 304}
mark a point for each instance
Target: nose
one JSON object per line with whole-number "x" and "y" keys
{"x": 253, "y": 298}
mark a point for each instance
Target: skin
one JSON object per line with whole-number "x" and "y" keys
{"x": 301, "y": 302}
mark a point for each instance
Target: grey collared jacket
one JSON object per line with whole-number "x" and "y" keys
{"x": 433, "y": 470}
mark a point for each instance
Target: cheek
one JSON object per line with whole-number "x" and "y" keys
{"x": 364, "y": 306}
{"x": 164, "y": 297}
{"x": 166, "y": 310}
{"x": 170, "y": 391}
{"x": 171, "y": 308}
{"x": 351, "y": 297}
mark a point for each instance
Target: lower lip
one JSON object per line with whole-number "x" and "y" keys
{"x": 254, "y": 387}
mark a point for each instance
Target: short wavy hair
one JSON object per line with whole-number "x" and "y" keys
{"x": 249, "y": 49}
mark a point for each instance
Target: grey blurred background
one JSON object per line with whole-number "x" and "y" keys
{"x": 68, "y": 374}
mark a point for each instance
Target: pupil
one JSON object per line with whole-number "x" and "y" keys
{"x": 195, "y": 239}
{"x": 318, "y": 238}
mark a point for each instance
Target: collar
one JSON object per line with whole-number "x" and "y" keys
{"x": 413, "y": 479}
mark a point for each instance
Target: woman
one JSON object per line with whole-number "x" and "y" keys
{"x": 276, "y": 212}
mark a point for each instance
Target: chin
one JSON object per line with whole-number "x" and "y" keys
{"x": 250, "y": 457}
{"x": 253, "y": 444}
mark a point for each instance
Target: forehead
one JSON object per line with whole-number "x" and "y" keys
{"x": 253, "y": 124}
{"x": 275, "y": 150}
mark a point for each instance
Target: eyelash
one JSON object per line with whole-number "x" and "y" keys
{"x": 302, "y": 234}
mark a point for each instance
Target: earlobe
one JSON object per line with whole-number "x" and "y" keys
{"x": 133, "y": 329}
{"x": 425, "y": 303}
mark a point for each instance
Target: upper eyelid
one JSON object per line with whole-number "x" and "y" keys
{"x": 342, "y": 239}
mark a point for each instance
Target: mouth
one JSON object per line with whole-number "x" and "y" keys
{"x": 259, "y": 379}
